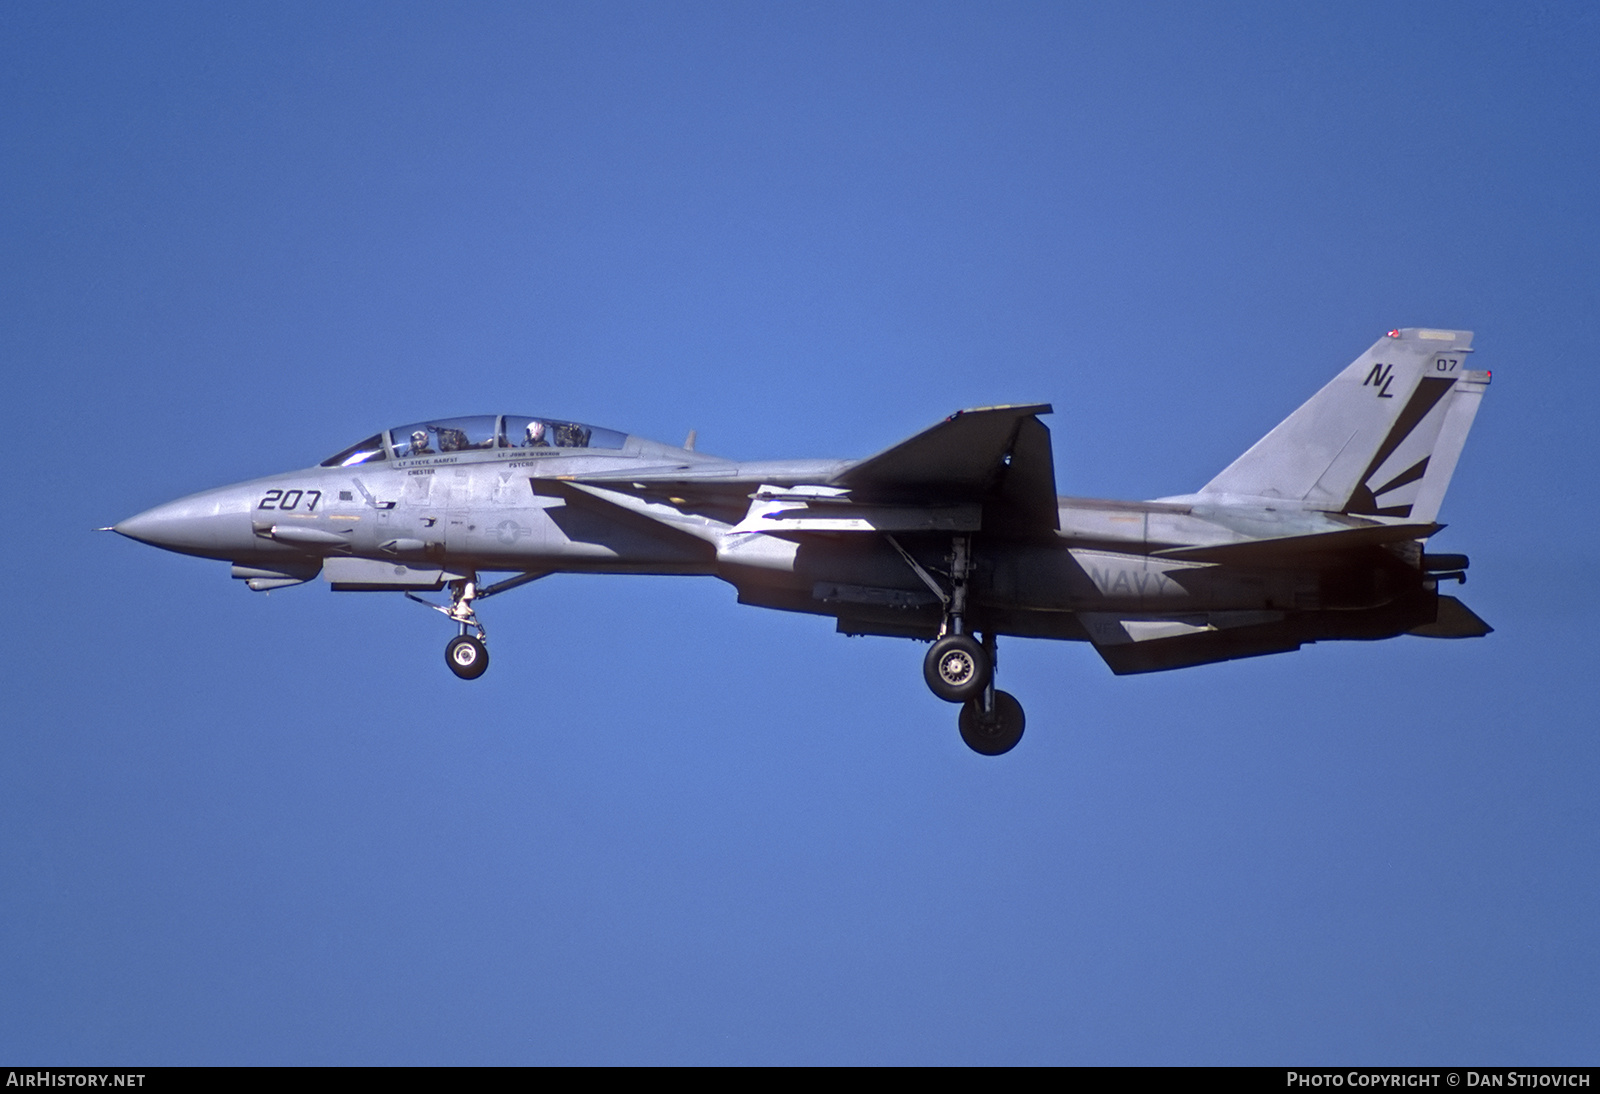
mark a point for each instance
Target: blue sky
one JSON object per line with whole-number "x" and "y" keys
{"x": 239, "y": 828}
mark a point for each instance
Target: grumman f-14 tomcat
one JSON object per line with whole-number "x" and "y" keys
{"x": 955, "y": 536}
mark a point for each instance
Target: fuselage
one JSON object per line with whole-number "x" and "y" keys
{"x": 419, "y": 519}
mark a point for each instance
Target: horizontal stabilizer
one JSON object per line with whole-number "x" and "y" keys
{"x": 1257, "y": 552}
{"x": 1455, "y": 620}
{"x": 1135, "y": 644}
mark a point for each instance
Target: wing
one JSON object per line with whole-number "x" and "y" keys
{"x": 999, "y": 456}
{"x": 991, "y": 468}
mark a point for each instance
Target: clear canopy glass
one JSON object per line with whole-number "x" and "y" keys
{"x": 368, "y": 451}
{"x": 443, "y": 435}
{"x": 520, "y": 432}
{"x": 479, "y": 432}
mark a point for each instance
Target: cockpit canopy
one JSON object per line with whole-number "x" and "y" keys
{"x": 480, "y": 432}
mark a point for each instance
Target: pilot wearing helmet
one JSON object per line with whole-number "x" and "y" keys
{"x": 419, "y": 443}
{"x": 536, "y": 437}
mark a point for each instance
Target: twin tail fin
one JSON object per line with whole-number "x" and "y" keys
{"x": 1380, "y": 440}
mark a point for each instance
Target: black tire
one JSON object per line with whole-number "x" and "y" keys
{"x": 956, "y": 668}
{"x": 467, "y": 657}
{"x": 998, "y": 733}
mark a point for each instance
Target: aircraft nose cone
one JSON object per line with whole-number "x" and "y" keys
{"x": 197, "y": 525}
{"x": 170, "y": 526}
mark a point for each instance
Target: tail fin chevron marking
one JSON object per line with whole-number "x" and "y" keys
{"x": 1346, "y": 451}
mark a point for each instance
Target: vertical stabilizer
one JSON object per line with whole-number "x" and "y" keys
{"x": 1381, "y": 439}
{"x": 1407, "y": 477}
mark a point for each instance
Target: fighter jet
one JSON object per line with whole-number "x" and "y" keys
{"x": 953, "y": 537}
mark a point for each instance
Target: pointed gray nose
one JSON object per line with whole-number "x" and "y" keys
{"x": 213, "y": 524}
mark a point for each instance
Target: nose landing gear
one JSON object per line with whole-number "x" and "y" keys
{"x": 467, "y": 654}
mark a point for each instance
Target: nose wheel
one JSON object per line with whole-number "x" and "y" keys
{"x": 467, "y": 656}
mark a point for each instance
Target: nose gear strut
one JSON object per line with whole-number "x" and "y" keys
{"x": 468, "y": 654}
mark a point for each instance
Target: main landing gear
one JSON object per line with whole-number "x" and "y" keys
{"x": 992, "y": 724}
{"x": 960, "y": 669}
{"x": 467, "y": 654}
{"x": 956, "y": 668}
